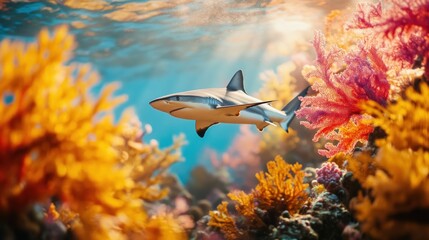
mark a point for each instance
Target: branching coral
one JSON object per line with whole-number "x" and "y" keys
{"x": 365, "y": 68}
{"x": 406, "y": 121}
{"x": 336, "y": 32}
{"x": 280, "y": 189}
{"x": 398, "y": 198}
{"x": 57, "y": 141}
{"x": 224, "y": 221}
{"x": 347, "y": 136}
{"x": 399, "y": 25}
{"x": 342, "y": 81}
{"x": 146, "y": 164}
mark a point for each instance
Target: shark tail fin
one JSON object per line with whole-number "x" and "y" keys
{"x": 291, "y": 107}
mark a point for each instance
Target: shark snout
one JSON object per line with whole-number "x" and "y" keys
{"x": 163, "y": 104}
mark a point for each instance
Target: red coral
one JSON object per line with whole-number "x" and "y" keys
{"x": 361, "y": 78}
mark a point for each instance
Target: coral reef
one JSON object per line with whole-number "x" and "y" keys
{"x": 60, "y": 145}
{"x": 370, "y": 105}
{"x": 280, "y": 189}
{"x": 400, "y": 168}
{"x": 340, "y": 90}
{"x": 388, "y": 174}
{"x": 404, "y": 24}
{"x": 340, "y": 73}
{"x": 71, "y": 169}
{"x": 279, "y": 207}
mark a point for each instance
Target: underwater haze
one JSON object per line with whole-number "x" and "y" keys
{"x": 83, "y": 155}
{"x": 172, "y": 46}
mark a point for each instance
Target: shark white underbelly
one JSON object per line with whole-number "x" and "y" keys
{"x": 209, "y": 114}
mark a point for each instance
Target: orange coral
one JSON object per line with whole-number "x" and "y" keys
{"x": 339, "y": 159}
{"x": 348, "y": 135}
{"x": 51, "y": 214}
{"x": 280, "y": 189}
{"x": 224, "y": 221}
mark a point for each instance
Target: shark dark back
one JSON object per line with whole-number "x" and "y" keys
{"x": 226, "y": 105}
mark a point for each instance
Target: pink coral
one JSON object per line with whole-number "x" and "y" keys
{"x": 329, "y": 174}
{"x": 343, "y": 80}
{"x": 403, "y": 26}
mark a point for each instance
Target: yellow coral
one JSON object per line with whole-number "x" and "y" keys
{"x": 362, "y": 165}
{"x": 162, "y": 227}
{"x": 399, "y": 196}
{"x": 57, "y": 141}
{"x": 146, "y": 164}
{"x": 278, "y": 86}
{"x": 406, "y": 121}
{"x": 245, "y": 205}
{"x": 336, "y": 32}
{"x": 398, "y": 190}
{"x": 339, "y": 159}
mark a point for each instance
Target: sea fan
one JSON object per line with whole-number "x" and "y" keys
{"x": 342, "y": 81}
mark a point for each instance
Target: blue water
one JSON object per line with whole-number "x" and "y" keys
{"x": 191, "y": 45}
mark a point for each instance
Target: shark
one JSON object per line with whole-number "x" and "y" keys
{"x": 232, "y": 104}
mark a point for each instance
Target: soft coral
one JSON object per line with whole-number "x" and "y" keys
{"x": 343, "y": 80}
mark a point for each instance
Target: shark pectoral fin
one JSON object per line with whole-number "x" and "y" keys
{"x": 202, "y": 126}
{"x": 270, "y": 123}
{"x": 234, "y": 110}
{"x": 263, "y": 124}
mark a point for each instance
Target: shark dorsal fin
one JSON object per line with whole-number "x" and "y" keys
{"x": 236, "y": 82}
